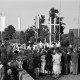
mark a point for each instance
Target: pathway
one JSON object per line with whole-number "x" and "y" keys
{"x": 65, "y": 77}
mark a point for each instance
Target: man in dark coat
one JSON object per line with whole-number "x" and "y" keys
{"x": 79, "y": 61}
{"x": 74, "y": 57}
{"x": 0, "y": 53}
{"x": 36, "y": 64}
{"x": 3, "y": 54}
{"x": 65, "y": 61}
{"x": 49, "y": 62}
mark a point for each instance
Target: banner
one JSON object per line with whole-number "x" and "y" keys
{"x": 2, "y": 23}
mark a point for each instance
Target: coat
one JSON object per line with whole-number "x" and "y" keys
{"x": 74, "y": 57}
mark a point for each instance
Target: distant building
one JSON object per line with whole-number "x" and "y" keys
{"x": 75, "y": 31}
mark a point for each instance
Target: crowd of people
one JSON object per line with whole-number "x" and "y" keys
{"x": 39, "y": 60}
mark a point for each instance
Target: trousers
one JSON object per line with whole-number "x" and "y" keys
{"x": 75, "y": 68}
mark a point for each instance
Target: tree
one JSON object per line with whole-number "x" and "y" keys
{"x": 22, "y": 37}
{"x": 43, "y": 30}
{"x": 65, "y": 40}
{"x": 16, "y": 35}
{"x": 29, "y": 33}
{"x": 9, "y": 31}
{"x": 71, "y": 37}
{"x": 41, "y": 20}
{"x": 53, "y": 14}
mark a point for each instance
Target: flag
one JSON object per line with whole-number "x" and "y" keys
{"x": 37, "y": 21}
{"x": 2, "y": 23}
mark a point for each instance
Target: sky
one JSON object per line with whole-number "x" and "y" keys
{"x": 28, "y": 9}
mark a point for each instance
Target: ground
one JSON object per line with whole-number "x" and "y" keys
{"x": 65, "y": 77}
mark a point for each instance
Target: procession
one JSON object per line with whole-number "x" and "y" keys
{"x": 39, "y": 40}
{"x": 38, "y": 60}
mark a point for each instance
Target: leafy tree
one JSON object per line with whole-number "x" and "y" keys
{"x": 29, "y": 33}
{"x": 44, "y": 35}
{"x": 16, "y": 35}
{"x": 41, "y": 20}
{"x": 71, "y": 37}
{"x": 9, "y": 31}
{"x": 22, "y": 37}
{"x": 65, "y": 40}
{"x": 32, "y": 39}
{"x": 43, "y": 30}
{"x": 53, "y": 14}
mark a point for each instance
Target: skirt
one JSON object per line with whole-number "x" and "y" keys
{"x": 56, "y": 68}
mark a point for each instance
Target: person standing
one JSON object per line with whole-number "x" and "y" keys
{"x": 49, "y": 62}
{"x": 9, "y": 50}
{"x": 56, "y": 63}
{"x": 67, "y": 61}
{"x": 3, "y": 54}
{"x": 36, "y": 64}
{"x": 43, "y": 63}
{"x": 74, "y": 58}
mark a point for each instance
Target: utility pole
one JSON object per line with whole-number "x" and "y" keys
{"x": 59, "y": 19}
{"x": 78, "y": 24}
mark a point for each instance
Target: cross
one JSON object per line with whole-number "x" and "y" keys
{"x": 50, "y": 24}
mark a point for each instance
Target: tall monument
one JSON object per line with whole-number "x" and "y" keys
{"x": 19, "y": 23}
{"x": 2, "y": 25}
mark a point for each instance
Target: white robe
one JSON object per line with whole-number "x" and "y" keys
{"x": 43, "y": 63}
{"x": 56, "y": 63}
{"x": 58, "y": 44}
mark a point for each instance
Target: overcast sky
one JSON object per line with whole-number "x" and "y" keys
{"x": 28, "y": 9}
